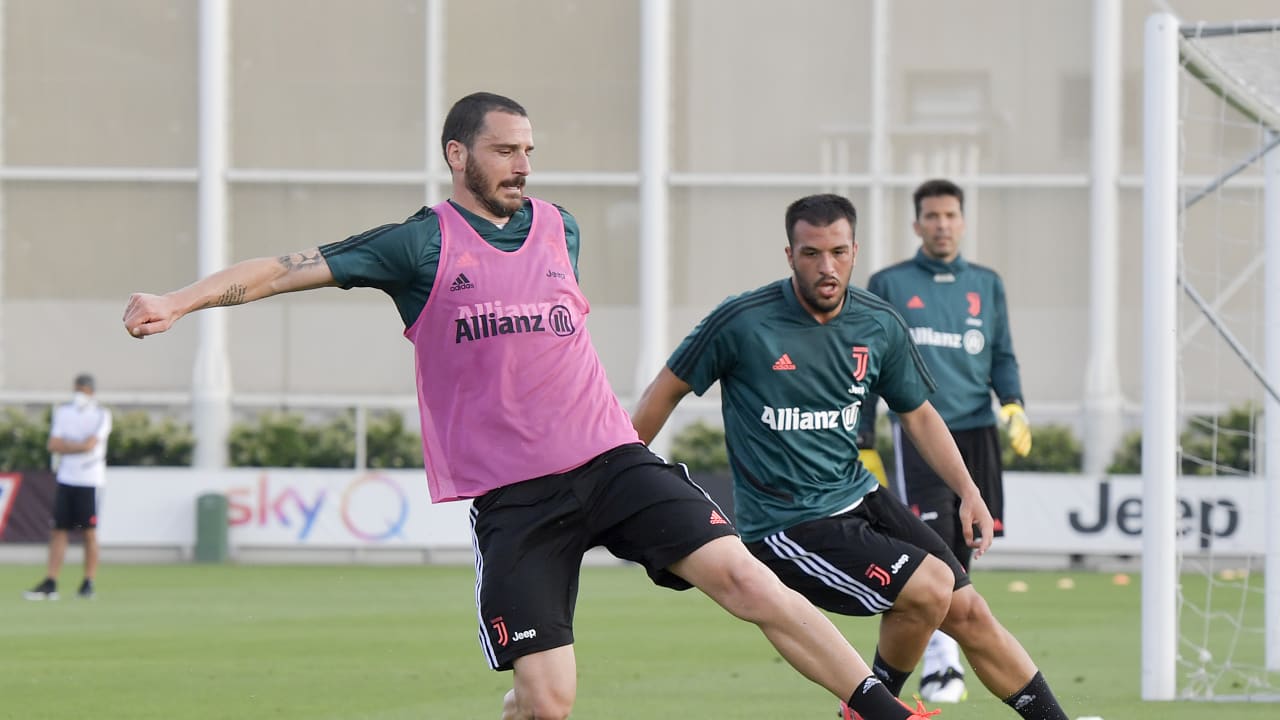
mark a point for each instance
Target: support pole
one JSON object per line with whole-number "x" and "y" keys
{"x": 211, "y": 381}
{"x": 1271, "y": 407}
{"x": 1159, "y": 350}
{"x": 655, "y": 153}
{"x": 1103, "y": 403}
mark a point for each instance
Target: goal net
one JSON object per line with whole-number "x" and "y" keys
{"x": 1211, "y": 359}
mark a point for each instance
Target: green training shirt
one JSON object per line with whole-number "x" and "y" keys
{"x": 401, "y": 258}
{"x": 791, "y": 391}
{"x": 959, "y": 320}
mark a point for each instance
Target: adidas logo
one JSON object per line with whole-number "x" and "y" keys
{"x": 461, "y": 283}
{"x": 915, "y": 303}
{"x": 1023, "y": 701}
{"x": 717, "y": 518}
{"x": 784, "y": 363}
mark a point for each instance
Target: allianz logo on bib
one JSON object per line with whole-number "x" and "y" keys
{"x": 489, "y": 320}
{"x": 785, "y": 419}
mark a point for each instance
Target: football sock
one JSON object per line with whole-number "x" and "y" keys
{"x": 1036, "y": 701}
{"x": 873, "y": 700}
{"x": 892, "y": 677}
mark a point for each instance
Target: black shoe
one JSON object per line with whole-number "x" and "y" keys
{"x": 47, "y": 590}
{"x": 86, "y": 589}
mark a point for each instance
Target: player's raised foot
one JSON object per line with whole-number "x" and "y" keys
{"x": 46, "y": 590}
{"x": 919, "y": 712}
{"x": 945, "y": 687}
{"x": 86, "y": 590}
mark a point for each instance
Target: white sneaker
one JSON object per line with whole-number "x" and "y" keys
{"x": 946, "y": 687}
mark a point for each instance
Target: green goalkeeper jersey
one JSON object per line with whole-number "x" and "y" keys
{"x": 791, "y": 392}
{"x": 959, "y": 319}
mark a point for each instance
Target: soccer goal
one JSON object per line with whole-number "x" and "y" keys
{"x": 1211, "y": 359}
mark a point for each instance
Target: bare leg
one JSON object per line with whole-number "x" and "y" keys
{"x": 90, "y": 554}
{"x": 919, "y": 609}
{"x": 545, "y": 686}
{"x": 727, "y": 572}
{"x": 57, "y": 551}
{"x": 998, "y": 659}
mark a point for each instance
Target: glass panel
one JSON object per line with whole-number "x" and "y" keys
{"x": 100, "y": 83}
{"x": 575, "y": 69}
{"x": 765, "y": 90}
{"x": 80, "y": 241}
{"x": 73, "y": 252}
{"x": 328, "y": 84}
{"x": 1006, "y": 94}
{"x": 273, "y": 219}
{"x": 725, "y": 242}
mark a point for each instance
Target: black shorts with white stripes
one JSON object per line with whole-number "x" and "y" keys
{"x": 857, "y": 562}
{"x": 530, "y": 538}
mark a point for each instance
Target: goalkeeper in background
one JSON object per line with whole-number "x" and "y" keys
{"x": 957, "y": 316}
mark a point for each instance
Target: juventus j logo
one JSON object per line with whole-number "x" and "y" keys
{"x": 877, "y": 573}
{"x": 501, "y": 627}
{"x": 860, "y": 357}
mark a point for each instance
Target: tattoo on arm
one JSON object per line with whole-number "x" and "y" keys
{"x": 234, "y": 295}
{"x": 300, "y": 261}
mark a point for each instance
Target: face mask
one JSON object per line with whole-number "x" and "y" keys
{"x": 81, "y": 400}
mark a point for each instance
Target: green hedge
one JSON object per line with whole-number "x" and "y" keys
{"x": 1211, "y": 445}
{"x": 137, "y": 439}
{"x": 23, "y": 438}
{"x": 279, "y": 439}
{"x": 273, "y": 439}
{"x": 700, "y": 446}
{"x": 1054, "y": 448}
{"x": 1222, "y": 444}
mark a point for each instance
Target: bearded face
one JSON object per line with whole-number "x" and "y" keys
{"x": 500, "y": 193}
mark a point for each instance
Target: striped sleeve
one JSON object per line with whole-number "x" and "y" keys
{"x": 710, "y": 350}
{"x": 386, "y": 257}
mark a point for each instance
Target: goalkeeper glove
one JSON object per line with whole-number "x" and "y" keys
{"x": 1014, "y": 418}
{"x": 870, "y": 460}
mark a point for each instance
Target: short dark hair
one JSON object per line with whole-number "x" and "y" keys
{"x": 466, "y": 117}
{"x": 84, "y": 380}
{"x": 820, "y": 211}
{"x": 937, "y": 188}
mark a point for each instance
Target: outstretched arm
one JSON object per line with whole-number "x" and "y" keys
{"x": 931, "y": 437}
{"x": 241, "y": 283}
{"x": 657, "y": 402}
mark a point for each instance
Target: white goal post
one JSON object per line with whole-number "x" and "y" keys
{"x": 1174, "y": 56}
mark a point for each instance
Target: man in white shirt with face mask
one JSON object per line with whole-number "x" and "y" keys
{"x": 78, "y": 443}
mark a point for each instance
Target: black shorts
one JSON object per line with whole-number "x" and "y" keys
{"x": 934, "y": 502}
{"x": 75, "y": 508}
{"x": 857, "y": 562}
{"x": 530, "y": 538}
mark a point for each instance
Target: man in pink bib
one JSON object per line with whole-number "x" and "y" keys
{"x": 517, "y": 416}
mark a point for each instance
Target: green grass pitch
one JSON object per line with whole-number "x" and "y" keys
{"x": 383, "y": 643}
